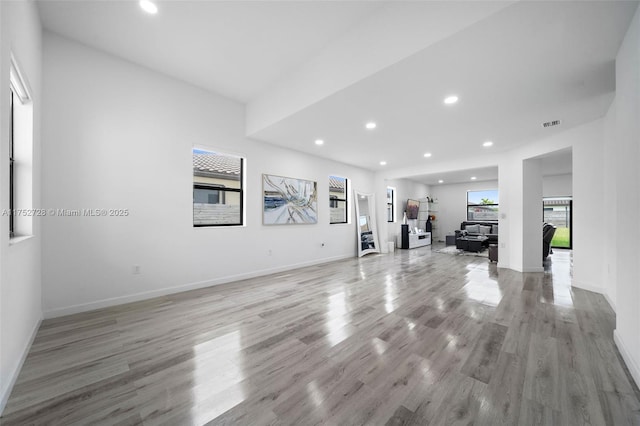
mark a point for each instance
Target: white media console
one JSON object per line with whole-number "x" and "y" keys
{"x": 409, "y": 240}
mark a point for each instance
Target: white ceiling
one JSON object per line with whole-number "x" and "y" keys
{"x": 555, "y": 163}
{"x": 513, "y": 66}
{"x": 235, "y": 48}
{"x": 481, "y": 174}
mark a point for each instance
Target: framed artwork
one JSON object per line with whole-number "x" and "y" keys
{"x": 412, "y": 209}
{"x": 289, "y": 201}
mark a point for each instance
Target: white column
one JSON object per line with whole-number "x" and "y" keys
{"x": 508, "y": 181}
{"x": 520, "y": 222}
{"x": 531, "y": 216}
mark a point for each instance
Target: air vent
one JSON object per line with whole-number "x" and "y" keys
{"x": 551, "y": 123}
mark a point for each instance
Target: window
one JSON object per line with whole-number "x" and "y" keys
{"x": 391, "y": 202}
{"x": 338, "y": 190}
{"x": 11, "y": 161}
{"x": 208, "y": 195}
{"x": 482, "y": 205}
{"x": 20, "y": 154}
{"x": 218, "y": 195}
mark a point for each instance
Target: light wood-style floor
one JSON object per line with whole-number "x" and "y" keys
{"x": 414, "y": 337}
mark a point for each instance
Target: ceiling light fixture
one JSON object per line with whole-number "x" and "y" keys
{"x": 319, "y": 142}
{"x": 440, "y": 181}
{"x": 149, "y": 6}
{"x": 383, "y": 163}
{"x": 473, "y": 178}
{"x": 449, "y": 100}
{"x": 371, "y": 125}
{"x": 487, "y": 144}
{"x": 427, "y": 154}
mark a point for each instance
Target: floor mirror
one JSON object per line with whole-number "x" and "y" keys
{"x": 366, "y": 224}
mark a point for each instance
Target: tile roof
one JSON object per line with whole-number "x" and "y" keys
{"x": 215, "y": 163}
{"x": 336, "y": 184}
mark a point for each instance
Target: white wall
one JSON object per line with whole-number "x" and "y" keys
{"x": 588, "y": 191}
{"x": 20, "y": 273}
{"x": 627, "y": 156}
{"x": 120, "y": 136}
{"x": 586, "y": 142}
{"x": 452, "y": 203}
{"x": 557, "y": 185}
{"x": 405, "y": 189}
{"x": 610, "y": 201}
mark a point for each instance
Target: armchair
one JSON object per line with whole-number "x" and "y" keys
{"x": 548, "y": 230}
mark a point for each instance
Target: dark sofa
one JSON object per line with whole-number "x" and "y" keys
{"x": 548, "y": 231}
{"x": 489, "y": 230}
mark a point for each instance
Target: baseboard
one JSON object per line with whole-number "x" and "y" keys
{"x": 533, "y": 269}
{"x": 633, "y": 367}
{"x": 610, "y": 301}
{"x": 120, "y": 300}
{"x": 6, "y": 392}
{"x": 588, "y": 287}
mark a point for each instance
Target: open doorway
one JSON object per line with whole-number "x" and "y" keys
{"x": 558, "y": 211}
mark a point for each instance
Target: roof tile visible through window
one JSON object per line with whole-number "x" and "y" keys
{"x": 215, "y": 163}
{"x": 336, "y": 183}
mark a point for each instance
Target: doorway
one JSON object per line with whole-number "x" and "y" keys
{"x": 558, "y": 211}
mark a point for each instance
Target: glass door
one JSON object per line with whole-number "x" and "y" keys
{"x": 557, "y": 211}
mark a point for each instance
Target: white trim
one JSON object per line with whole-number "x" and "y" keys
{"x": 634, "y": 369}
{"x": 19, "y": 239}
{"x": 18, "y": 83}
{"x": 105, "y": 303}
{"x": 4, "y": 397}
{"x": 610, "y": 300}
{"x": 587, "y": 286}
{"x": 595, "y": 289}
{"x": 535, "y": 269}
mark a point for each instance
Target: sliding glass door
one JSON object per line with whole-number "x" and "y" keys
{"x": 557, "y": 211}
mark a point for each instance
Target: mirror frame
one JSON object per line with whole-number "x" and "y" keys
{"x": 371, "y": 200}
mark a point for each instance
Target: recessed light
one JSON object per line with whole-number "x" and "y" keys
{"x": 440, "y": 181}
{"x": 383, "y": 163}
{"x": 473, "y": 178}
{"x": 427, "y": 154}
{"x": 450, "y": 100}
{"x": 149, "y": 6}
{"x": 487, "y": 143}
{"x": 319, "y": 142}
{"x": 371, "y": 125}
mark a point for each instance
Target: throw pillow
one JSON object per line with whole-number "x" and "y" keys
{"x": 494, "y": 229}
{"x": 474, "y": 229}
{"x": 484, "y": 230}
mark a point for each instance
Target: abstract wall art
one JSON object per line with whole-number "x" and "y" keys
{"x": 289, "y": 201}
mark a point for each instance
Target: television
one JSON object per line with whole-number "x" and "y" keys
{"x": 412, "y": 209}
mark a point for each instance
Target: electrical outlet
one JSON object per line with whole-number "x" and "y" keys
{"x": 321, "y": 244}
{"x": 136, "y": 269}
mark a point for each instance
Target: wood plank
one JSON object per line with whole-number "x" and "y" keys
{"x": 415, "y": 337}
